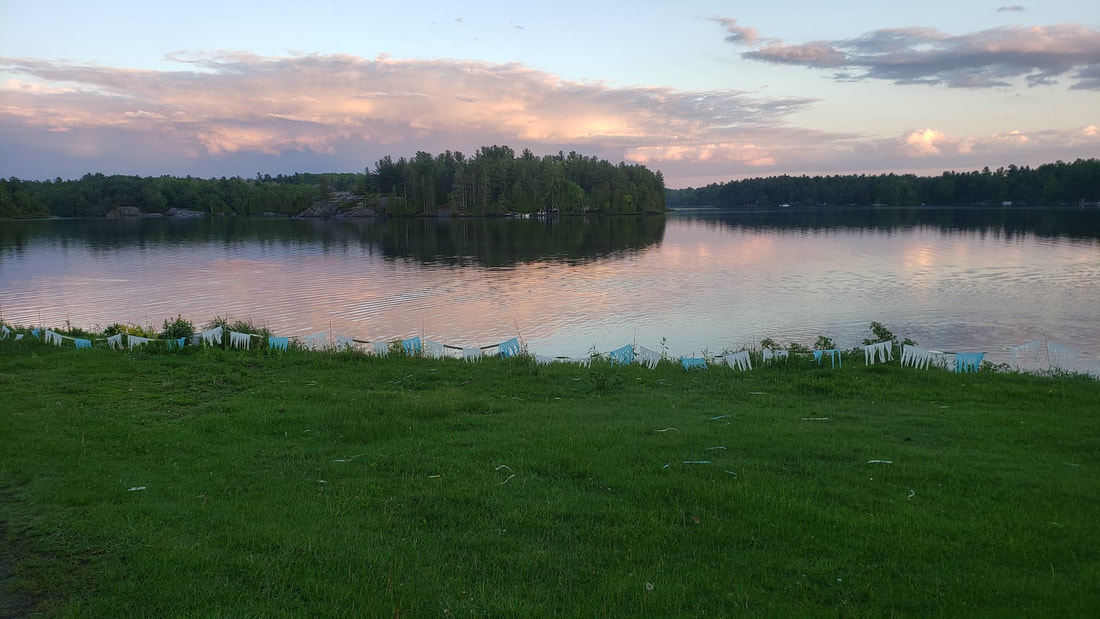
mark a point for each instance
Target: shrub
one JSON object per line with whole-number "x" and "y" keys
{"x": 240, "y": 326}
{"x": 139, "y": 331}
{"x": 882, "y": 334}
{"x": 178, "y": 328}
{"x": 247, "y": 326}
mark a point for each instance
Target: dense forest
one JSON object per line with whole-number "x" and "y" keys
{"x": 493, "y": 181}
{"x": 1052, "y": 183}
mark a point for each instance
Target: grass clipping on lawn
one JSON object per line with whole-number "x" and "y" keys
{"x": 219, "y": 482}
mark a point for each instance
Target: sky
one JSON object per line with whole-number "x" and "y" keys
{"x": 705, "y": 91}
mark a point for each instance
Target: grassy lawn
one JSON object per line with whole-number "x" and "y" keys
{"x": 214, "y": 482}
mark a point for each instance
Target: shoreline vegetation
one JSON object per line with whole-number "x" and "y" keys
{"x": 208, "y": 480}
{"x": 221, "y": 333}
{"x": 1050, "y": 184}
{"x": 495, "y": 182}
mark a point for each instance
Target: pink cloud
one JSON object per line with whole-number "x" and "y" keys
{"x": 243, "y": 102}
{"x": 931, "y": 142}
{"x": 989, "y": 58}
{"x": 234, "y": 102}
{"x": 742, "y": 35}
{"x": 238, "y": 113}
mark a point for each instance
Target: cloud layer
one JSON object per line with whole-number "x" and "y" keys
{"x": 230, "y": 102}
{"x": 239, "y": 113}
{"x": 989, "y": 58}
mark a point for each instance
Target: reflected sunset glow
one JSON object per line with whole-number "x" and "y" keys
{"x": 703, "y": 283}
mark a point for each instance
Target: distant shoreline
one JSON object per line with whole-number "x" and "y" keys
{"x": 672, "y": 210}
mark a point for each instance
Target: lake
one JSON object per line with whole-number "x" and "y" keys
{"x": 704, "y": 280}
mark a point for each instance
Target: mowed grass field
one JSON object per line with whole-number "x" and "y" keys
{"x": 226, "y": 483}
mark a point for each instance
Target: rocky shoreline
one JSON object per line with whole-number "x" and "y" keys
{"x": 345, "y": 204}
{"x": 124, "y": 212}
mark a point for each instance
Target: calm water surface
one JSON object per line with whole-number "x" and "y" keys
{"x": 951, "y": 280}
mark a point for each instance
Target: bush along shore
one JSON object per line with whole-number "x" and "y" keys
{"x": 220, "y": 332}
{"x": 208, "y": 480}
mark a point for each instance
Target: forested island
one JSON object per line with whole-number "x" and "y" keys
{"x": 1056, "y": 183}
{"x": 493, "y": 181}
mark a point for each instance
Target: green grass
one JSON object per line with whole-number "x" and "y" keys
{"x": 335, "y": 484}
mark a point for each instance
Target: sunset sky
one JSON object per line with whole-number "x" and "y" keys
{"x": 702, "y": 90}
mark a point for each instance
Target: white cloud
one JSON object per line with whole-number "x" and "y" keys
{"x": 922, "y": 143}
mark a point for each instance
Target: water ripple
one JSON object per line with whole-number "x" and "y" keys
{"x": 701, "y": 287}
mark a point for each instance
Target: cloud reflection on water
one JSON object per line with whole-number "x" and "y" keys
{"x": 702, "y": 282}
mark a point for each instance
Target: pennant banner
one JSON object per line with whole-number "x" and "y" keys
{"x": 968, "y": 361}
{"x": 912, "y": 356}
{"x": 883, "y": 350}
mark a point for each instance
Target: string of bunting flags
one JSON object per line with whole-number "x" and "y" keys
{"x": 879, "y": 352}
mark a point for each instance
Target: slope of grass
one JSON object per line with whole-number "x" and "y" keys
{"x": 335, "y": 484}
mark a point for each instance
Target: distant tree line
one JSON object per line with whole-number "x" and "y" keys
{"x": 96, "y": 195}
{"x": 492, "y": 181}
{"x": 1052, "y": 183}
